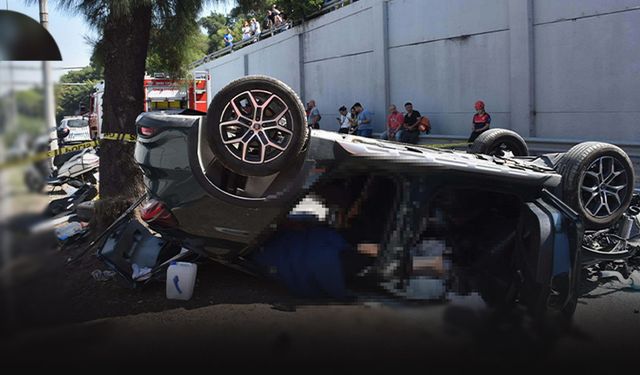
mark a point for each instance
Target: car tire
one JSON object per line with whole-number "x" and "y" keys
{"x": 263, "y": 147}
{"x": 498, "y": 142}
{"x": 592, "y": 174}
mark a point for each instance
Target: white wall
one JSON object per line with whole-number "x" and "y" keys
{"x": 277, "y": 61}
{"x": 564, "y": 69}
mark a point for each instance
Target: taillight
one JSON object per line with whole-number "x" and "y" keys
{"x": 146, "y": 131}
{"x": 157, "y": 214}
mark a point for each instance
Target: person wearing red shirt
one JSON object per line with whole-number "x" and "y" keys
{"x": 480, "y": 123}
{"x": 394, "y": 124}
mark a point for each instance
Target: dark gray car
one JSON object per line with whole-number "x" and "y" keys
{"x": 511, "y": 225}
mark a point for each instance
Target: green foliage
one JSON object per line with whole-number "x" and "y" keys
{"x": 69, "y": 99}
{"x": 292, "y": 9}
{"x": 166, "y": 54}
{"x": 31, "y": 126}
{"x": 213, "y": 22}
{"x": 216, "y": 25}
{"x": 89, "y": 73}
{"x": 30, "y": 114}
{"x": 30, "y": 102}
{"x": 176, "y": 40}
{"x": 297, "y": 10}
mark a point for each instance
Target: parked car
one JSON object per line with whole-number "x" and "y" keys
{"x": 75, "y": 129}
{"x": 505, "y": 223}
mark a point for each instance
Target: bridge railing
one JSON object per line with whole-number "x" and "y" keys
{"x": 326, "y": 8}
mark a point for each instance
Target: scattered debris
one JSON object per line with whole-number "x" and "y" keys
{"x": 140, "y": 273}
{"x": 105, "y": 275}
{"x": 69, "y": 203}
{"x": 633, "y": 281}
{"x": 69, "y": 230}
{"x": 49, "y": 224}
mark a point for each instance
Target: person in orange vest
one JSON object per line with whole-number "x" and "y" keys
{"x": 481, "y": 121}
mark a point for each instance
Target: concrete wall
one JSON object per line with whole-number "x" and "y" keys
{"x": 548, "y": 69}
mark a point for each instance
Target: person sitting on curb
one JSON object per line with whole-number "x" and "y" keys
{"x": 480, "y": 123}
{"x": 410, "y": 127}
{"x": 395, "y": 119}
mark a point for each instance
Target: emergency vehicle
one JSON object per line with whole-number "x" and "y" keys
{"x": 161, "y": 93}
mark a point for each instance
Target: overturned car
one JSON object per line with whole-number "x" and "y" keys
{"x": 416, "y": 222}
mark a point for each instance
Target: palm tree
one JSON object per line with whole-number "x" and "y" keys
{"x": 124, "y": 27}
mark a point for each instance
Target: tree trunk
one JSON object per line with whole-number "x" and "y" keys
{"x": 125, "y": 42}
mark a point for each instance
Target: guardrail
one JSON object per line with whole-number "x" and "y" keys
{"x": 236, "y": 46}
{"x": 326, "y": 8}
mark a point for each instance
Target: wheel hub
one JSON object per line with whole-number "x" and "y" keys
{"x": 603, "y": 187}
{"x": 261, "y": 131}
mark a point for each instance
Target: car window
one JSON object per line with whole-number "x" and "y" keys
{"x": 77, "y": 123}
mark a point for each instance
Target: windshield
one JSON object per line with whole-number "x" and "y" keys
{"x": 77, "y": 123}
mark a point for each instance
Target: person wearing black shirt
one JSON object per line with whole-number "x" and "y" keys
{"x": 411, "y": 131}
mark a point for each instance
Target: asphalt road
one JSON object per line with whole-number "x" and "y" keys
{"x": 373, "y": 333}
{"x": 240, "y": 321}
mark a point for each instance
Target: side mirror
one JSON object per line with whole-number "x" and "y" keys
{"x": 62, "y": 132}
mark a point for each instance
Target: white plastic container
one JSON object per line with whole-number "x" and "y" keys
{"x": 181, "y": 278}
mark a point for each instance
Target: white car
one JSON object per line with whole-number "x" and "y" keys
{"x": 76, "y": 129}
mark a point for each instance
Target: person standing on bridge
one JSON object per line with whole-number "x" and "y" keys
{"x": 480, "y": 123}
{"x": 255, "y": 28}
{"x": 246, "y": 31}
{"x": 228, "y": 39}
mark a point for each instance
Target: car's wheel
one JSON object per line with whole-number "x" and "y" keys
{"x": 500, "y": 142}
{"x": 598, "y": 182}
{"x": 257, "y": 126}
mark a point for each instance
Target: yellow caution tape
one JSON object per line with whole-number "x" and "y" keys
{"x": 119, "y": 137}
{"x": 67, "y": 149}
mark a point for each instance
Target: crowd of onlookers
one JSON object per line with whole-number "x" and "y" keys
{"x": 400, "y": 126}
{"x": 275, "y": 20}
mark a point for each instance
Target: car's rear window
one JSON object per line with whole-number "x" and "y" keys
{"x": 77, "y": 123}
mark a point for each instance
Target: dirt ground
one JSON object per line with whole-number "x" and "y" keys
{"x": 57, "y": 314}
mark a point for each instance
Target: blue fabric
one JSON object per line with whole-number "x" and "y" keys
{"x": 308, "y": 261}
{"x": 365, "y": 115}
{"x": 228, "y": 40}
{"x": 364, "y": 132}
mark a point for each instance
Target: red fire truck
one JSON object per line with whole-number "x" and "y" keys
{"x": 164, "y": 93}
{"x": 161, "y": 93}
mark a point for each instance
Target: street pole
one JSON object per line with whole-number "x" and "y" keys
{"x": 13, "y": 107}
{"x": 49, "y": 102}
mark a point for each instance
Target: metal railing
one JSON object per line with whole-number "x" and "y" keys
{"x": 326, "y": 8}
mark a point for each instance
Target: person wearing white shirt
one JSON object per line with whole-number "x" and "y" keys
{"x": 343, "y": 120}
